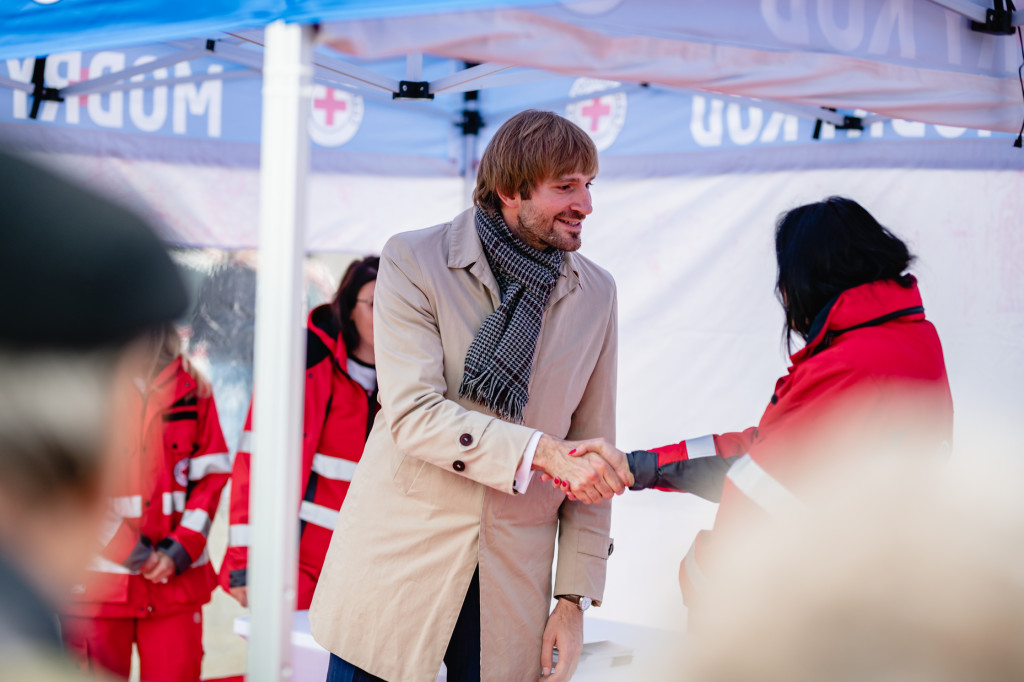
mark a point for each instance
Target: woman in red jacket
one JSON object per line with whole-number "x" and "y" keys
{"x": 152, "y": 576}
{"x": 869, "y": 380}
{"x": 340, "y": 404}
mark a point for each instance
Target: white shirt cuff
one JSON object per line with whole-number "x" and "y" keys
{"x": 524, "y": 474}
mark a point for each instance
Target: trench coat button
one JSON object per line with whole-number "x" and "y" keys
{"x": 775, "y": 398}
{"x": 459, "y": 465}
{"x": 757, "y": 433}
{"x": 611, "y": 548}
{"x": 466, "y": 439}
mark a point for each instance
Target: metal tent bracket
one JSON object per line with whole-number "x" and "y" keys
{"x": 41, "y": 93}
{"x": 998, "y": 20}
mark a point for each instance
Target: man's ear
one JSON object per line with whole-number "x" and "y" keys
{"x": 509, "y": 201}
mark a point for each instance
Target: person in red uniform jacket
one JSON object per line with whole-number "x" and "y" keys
{"x": 149, "y": 581}
{"x": 340, "y": 404}
{"x": 870, "y": 379}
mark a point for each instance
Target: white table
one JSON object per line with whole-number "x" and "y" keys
{"x": 612, "y": 651}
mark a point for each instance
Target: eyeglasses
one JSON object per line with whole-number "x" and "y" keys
{"x": 367, "y": 301}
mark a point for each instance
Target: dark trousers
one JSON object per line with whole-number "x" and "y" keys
{"x": 462, "y": 657}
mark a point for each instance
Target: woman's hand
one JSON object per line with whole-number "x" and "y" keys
{"x": 595, "y": 447}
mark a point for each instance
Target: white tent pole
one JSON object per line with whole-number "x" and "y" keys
{"x": 414, "y": 66}
{"x": 280, "y": 352}
{"x": 469, "y": 171}
{"x": 471, "y": 107}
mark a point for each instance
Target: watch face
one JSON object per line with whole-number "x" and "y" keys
{"x": 585, "y": 603}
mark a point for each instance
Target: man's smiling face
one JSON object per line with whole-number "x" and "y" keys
{"x": 553, "y": 215}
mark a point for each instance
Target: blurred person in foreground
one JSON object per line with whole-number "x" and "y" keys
{"x": 152, "y": 574}
{"x": 905, "y": 571}
{"x": 869, "y": 380}
{"x": 494, "y": 341}
{"x": 82, "y": 279}
{"x": 339, "y": 408}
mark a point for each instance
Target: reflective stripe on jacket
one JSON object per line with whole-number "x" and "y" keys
{"x": 174, "y": 464}
{"x": 337, "y": 416}
{"x": 871, "y": 379}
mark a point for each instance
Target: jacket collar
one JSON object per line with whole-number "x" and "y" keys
{"x": 465, "y": 250}
{"x": 321, "y": 322}
{"x": 863, "y": 305}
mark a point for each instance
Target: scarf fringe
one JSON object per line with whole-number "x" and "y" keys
{"x": 490, "y": 391}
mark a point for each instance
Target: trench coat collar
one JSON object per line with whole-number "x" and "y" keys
{"x": 465, "y": 250}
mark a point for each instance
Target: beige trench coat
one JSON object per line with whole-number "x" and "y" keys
{"x": 433, "y": 495}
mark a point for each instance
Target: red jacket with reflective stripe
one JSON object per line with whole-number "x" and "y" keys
{"x": 173, "y": 467}
{"x": 872, "y": 377}
{"x": 337, "y": 417}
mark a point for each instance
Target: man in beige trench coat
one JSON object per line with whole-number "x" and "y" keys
{"x": 494, "y": 342}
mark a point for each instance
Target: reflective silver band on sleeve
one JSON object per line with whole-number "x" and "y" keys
{"x": 700, "y": 447}
{"x": 335, "y": 468}
{"x": 196, "y": 520}
{"x": 127, "y": 507}
{"x": 203, "y": 559}
{"x": 216, "y": 463}
{"x": 174, "y": 502}
{"x": 693, "y": 572}
{"x": 108, "y": 529}
{"x": 238, "y": 535}
{"x": 318, "y": 515}
{"x": 757, "y": 484}
{"x": 104, "y": 565}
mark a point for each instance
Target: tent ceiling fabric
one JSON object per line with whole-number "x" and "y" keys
{"x": 907, "y": 59}
{"x": 39, "y": 27}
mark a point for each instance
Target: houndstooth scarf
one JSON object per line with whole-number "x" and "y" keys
{"x": 500, "y": 358}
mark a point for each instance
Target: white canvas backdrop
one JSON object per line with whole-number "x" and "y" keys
{"x": 700, "y": 328}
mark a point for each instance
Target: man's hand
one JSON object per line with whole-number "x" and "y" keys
{"x": 601, "y": 454}
{"x": 159, "y": 568}
{"x": 564, "y": 631}
{"x": 598, "y": 472}
{"x": 241, "y": 595}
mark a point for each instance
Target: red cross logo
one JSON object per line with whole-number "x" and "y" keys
{"x": 594, "y": 111}
{"x": 329, "y": 105}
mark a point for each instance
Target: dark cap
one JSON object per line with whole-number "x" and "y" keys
{"x": 77, "y": 270}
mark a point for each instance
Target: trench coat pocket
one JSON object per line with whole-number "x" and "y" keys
{"x": 582, "y": 560}
{"x": 407, "y": 471}
{"x": 594, "y": 544}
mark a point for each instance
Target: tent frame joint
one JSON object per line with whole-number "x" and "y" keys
{"x": 413, "y": 90}
{"x": 41, "y": 93}
{"x": 471, "y": 122}
{"x": 998, "y": 20}
{"x": 849, "y": 123}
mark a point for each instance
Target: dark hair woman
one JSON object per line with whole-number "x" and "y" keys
{"x": 823, "y": 249}
{"x": 340, "y": 404}
{"x": 870, "y": 379}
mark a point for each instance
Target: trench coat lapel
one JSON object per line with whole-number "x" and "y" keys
{"x": 466, "y": 250}
{"x": 568, "y": 279}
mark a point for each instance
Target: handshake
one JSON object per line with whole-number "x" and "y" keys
{"x": 586, "y": 470}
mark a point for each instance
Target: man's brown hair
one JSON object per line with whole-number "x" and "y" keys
{"x": 529, "y": 148}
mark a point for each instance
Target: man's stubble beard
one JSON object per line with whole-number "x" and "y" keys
{"x": 549, "y": 235}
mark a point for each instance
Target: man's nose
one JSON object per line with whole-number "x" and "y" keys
{"x": 583, "y": 203}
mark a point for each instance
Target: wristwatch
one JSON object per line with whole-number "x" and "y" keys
{"x": 582, "y": 602}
